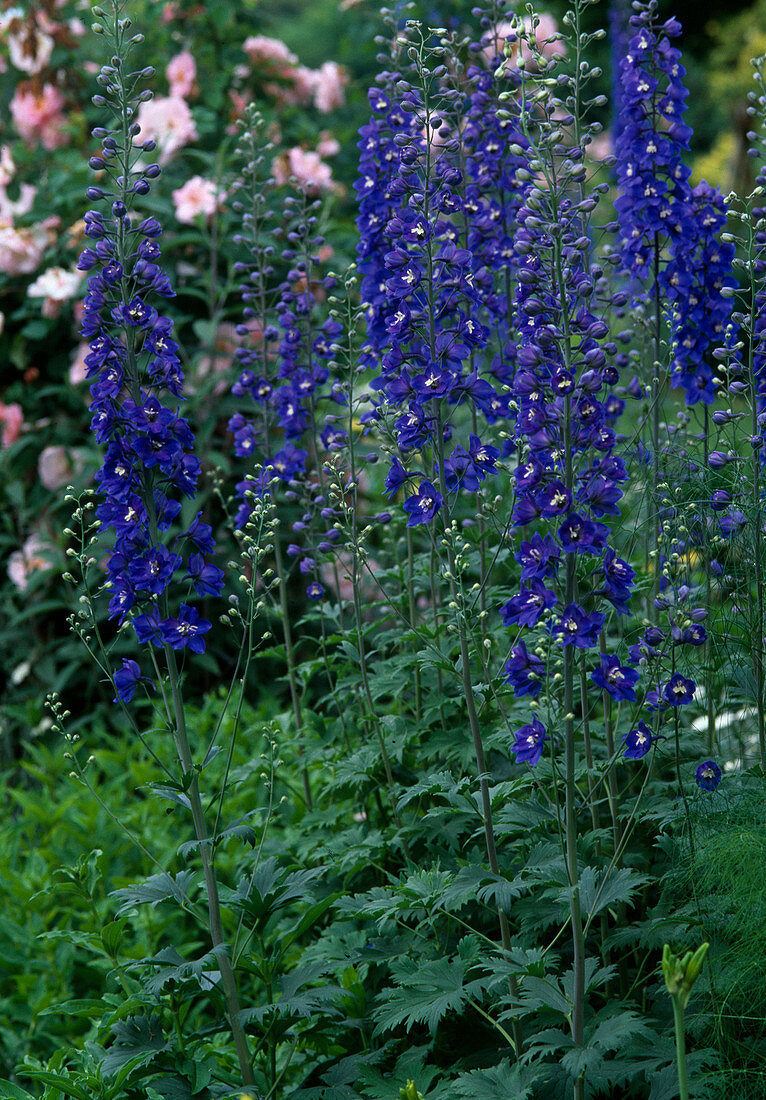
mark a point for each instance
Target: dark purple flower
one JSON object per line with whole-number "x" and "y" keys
{"x": 707, "y": 775}
{"x": 530, "y": 741}
{"x": 539, "y": 557}
{"x": 578, "y": 628}
{"x": 315, "y": 591}
{"x": 524, "y": 671}
{"x": 638, "y": 741}
{"x": 185, "y": 632}
{"x": 678, "y": 690}
{"x": 126, "y": 680}
{"x": 618, "y": 680}
{"x": 529, "y": 605}
{"x": 423, "y": 505}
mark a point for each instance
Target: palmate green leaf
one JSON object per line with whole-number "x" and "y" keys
{"x": 600, "y": 889}
{"x": 137, "y": 1040}
{"x": 426, "y": 993}
{"x": 172, "y": 967}
{"x": 439, "y": 783}
{"x": 502, "y": 1082}
{"x": 544, "y": 993}
{"x": 154, "y": 890}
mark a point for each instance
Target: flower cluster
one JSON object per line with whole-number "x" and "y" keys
{"x": 653, "y": 204}
{"x": 284, "y": 359}
{"x": 133, "y": 361}
{"x": 670, "y": 231}
{"x": 429, "y": 284}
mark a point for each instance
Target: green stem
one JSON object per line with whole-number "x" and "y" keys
{"x": 683, "y": 1079}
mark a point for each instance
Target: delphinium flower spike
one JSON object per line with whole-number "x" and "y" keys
{"x": 149, "y": 466}
{"x": 568, "y": 474}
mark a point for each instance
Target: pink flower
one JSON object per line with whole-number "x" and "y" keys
{"x": 11, "y": 420}
{"x": 34, "y": 554}
{"x": 21, "y": 250}
{"x": 78, "y": 370}
{"x": 56, "y": 285}
{"x": 308, "y": 168}
{"x": 328, "y": 146}
{"x": 329, "y": 82}
{"x": 168, "y": 120}
{"x": 30, "y": 49}
{"x": 271, "y": 52}
{"x": 181, "y": 73}
{"x": 54, "y": 467}
{"x": 7, "y": 166}
{"x": 16, "y": 208}
{"x": 197, "y": 196}
{"x": 38, "y": 116}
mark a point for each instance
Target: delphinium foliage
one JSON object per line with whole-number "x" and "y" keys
{"x": 462, "y": 838}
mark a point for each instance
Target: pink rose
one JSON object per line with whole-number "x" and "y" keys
{"x": 168, "y": 120}
{"x": 34, "y": 554}
{"x": 181, "y": 73}
{"x": 54, "y": 467}
{"x": 271, "y": 52}
{"x": 11, "y": 420}
{"x": 78, "y": 370}
{"x": 21, "y": 250}
{"x": 308, "y": 168}
{"x": 38, "y": 116}
{"x": 197, "y": 196}
{"x": 329, "y": 82}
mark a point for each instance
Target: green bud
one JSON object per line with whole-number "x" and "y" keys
{"x": 681, "y": 973}
{"x": 409, "y": 1092}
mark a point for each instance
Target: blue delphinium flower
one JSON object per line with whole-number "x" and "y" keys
{"x": 670, "y": 232}
{"x": 524, "y": 671}
{"x": 679, "y": 690}
{"x": 619, "y": 680}
{"x": 530, "y": 742}
{"x": 135, "y": 368}
{"x": 698, "y": 282}
{"x": 638, "y": 741}
{"x": 428, "y": 283}
{"x": 653, "y": 205}
{"x": 423, "y": 505}
{"x": 708, "y": 775}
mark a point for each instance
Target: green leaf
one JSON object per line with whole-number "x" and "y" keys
{"x": 600, "y": 889}
{"x": 154, "y": 890}
{"x": 14, "y": 1092}
{"x": 426, "y": 993}
{"x": 544, "y": 993}
{"x": 56, "y": 1081}
{"x": 502, "y": 1082}
{"x": 137, "y": 1040}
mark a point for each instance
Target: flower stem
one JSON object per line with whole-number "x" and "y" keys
{"x": 683, "y": 1079}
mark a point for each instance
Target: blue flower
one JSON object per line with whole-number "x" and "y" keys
{"x": 423, "y": 505}
{"x": 530, "y": 741}
{"x": 578, "y": 628}
{"x": 678, "y": 690}
{"x": 638, "y": 741}
{"x": 529, "y": 605}
{"x": 524, "y": 671}
{"x": 127, "y": 679}
{"x": 707, "y": 775}
{"x": 185, "y": 631}
{"x": 618, "y": 680}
